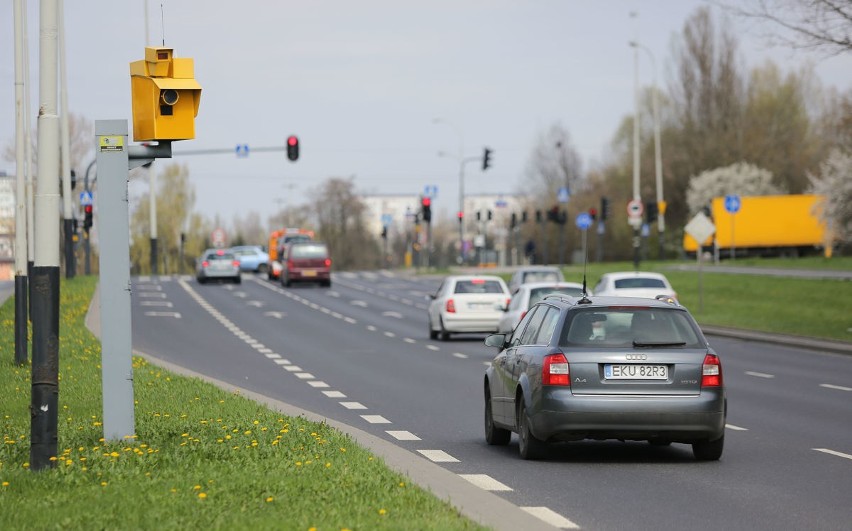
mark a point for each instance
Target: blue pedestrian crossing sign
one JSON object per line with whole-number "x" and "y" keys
{"x": 242, "y": 151}
{"x": 86, "y": 198}
{"x": 563, "y": 195}
{"x": 732, "y": 203}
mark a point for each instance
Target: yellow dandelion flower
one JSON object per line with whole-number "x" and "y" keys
{"x": 69, "y": 462}
{"x": 6, "y": 484}
{"x": 184, "y": 435}
{"x": 85, "y": 468}
{"x": 114, "y": 454}
{"x": 173, "y": 490}
{"x": 402, "y": 484}
{"x": 269, "y": 499}
{"x": 103, "y": 483}
{"x": 197, "y": 487}
{"x": 256, "y": 422}
{"x": 343, "y": 449}
{"x": 275, "y": 442}
{"x": 202, "y": 495}
{"x": 227, "y": 437}
{"x": 53, "y": 458}
{"x": 383, "y": 512}
{"x": 328, "y": 465}
{"x": 298, "y": 463}
{"x": 247, "y": 432}
{"x": 82, "y": 459}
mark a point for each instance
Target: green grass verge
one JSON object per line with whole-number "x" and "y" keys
{"x": 804, "y": 307}
{"x": 202, "y": 458}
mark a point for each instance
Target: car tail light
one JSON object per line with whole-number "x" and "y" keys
{"x": 236, "y": 263}
{"x": 205, "y": 264}
{"x": 523, "y": 314}
{"x": 290, "y": 266}
{"x": 451, "y": 306}
{"x": 555, "y": 371}
{"x": 328, "y": 262}
{"x": 711, "y": 371}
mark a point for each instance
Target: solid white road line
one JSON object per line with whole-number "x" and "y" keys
{"x": 438, "y": 456}
{"x": 551, "y": 517}
{"x": 735, "y": 428}
{"x": 376, "y": 419}
{"x": 353, "y": 405}
{"x": 334, "y": 394}
{"x": 403, "y": 435}
{"x": 760, "y": 374}
{"x": 176, "y": 315}
{"x": 167, "y": 304}
{"x": 832, "y": 452}
{"x": 152, "y": 295}
{"x": 837, "y": 387}
{"x": 486, "y": 482}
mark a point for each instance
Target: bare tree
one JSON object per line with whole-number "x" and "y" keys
{"x": 824, "y": 25}
{"x": 554, "y": 163}
{"x": 342, "y": 225}
{"x": 81, "y": 134}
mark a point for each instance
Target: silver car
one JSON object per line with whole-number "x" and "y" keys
{"x": 605, "y": 368}
{"x": 529, "y": 294}
{"x": 217, "y": 264}
{"x": 634, "y": 284}
{"x": 527, "y": 274}
{"x": 467, "y": 304}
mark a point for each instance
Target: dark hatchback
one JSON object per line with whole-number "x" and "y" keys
{"x": 306, "y": 261}
{"x": 605, "y": 368}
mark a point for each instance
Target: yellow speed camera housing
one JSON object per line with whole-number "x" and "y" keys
{"x": 165, "y": 96}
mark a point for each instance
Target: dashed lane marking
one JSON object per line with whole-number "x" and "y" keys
{"x": 836, "y": 387}
{"x": 433, "y": 347}
{"x": 403, "y": 435}
{"x": 305, "y": 376}
{"x": 167, "y": 304}
{"x": 152, "y": 294}
{"x": 409, "y": 340}
{"x": 833, "y": 452}
{"x": 292, "y": 368}
{"x": 460, "y": 355}
{"x": 176, "y": 315}
{"x": 318, "y": 384}
{"x": 376, "y": 419}
{"x": 334, "y": 394}
{"x": 438, "y": 456}
{"x": 353, "y": 405}
{"x": 486, "y": 482}
{"x": 551, "y": 517}
{"x": 735, "y": 428}
{"x": 760, "y": 374}
{"x": 282, "y": 361}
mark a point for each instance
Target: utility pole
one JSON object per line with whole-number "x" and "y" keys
{"x": 45, "y": 275}
{"x": 637, "y": 222}
{"x": 21, "y": 229}
{"x": 65, "y": 151}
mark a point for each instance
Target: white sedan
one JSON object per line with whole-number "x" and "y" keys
{"x": 634, "y": 284}
{"x": 529, "y": 294}
{"x": 467, "y": 304}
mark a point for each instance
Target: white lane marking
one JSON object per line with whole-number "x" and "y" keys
{"x": 276, "y": 315}
{"x": 486, "y": 482}
{"x": 281, "y": 361}
{"x": 406, "y": 301}
{"x": 760, "y": 374}
{"x": 376, "y": 419}
{"x": 403, "y": 435}
{"x": 353, "y": 405}
{"x": 390, "y": 334}
{"x": 176, "y": 315}
{"x": 264, "y": 350}
{"x": 260, "y": 347}
{"x": 240, "y": 294}
{"x": 153, "y": 287}
{"x": 273, "y": 356}
{"x": 832, "y": 452}
{"x": 337, "y": 315}
{"x": 409, "y": 340}
{"x": 433, "y": 347}
{"x": 460, "y": 355}
{"x": 318, "y": 384}
{"x": 553, "y": 518}
{"x": 438, "y": 456}
{"x": 305, "y": 376}
{"x": 167, "y": 304}
{"x": 154, "y": 295}
{"x": 362, "y": 304}
{"x": 350, "y": 320}
{"x": 371, "y": 328}
{"x": 333, "y": 294}
{"x": 334, "y": 394}
{"x": 395, "y": 315}
{"x": 837, "y": 387}
{"x": 256, "y": 304}
{"x": 292, "y": 368}
{"x": 735, "y": 428}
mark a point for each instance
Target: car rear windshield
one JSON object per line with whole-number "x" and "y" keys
{"x": 309, "y": 251}
{"x": 626, "y": 283}
{"x": 630, "y": 326}
{"x": 541, "y": 276}
{"x": 539, "y": 293}
{"x": 478, "y": 286}
{"x": 223, "y": 256}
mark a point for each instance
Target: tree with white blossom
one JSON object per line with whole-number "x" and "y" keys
{"x": 834, "y": 183}
{"x": 741, "y": 179}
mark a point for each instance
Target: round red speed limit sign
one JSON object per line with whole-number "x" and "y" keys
{"x": 635, "y": 208}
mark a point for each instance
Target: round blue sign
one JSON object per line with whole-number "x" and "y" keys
{"x": 732, "y": 203}
{"x": 584, "y": 220}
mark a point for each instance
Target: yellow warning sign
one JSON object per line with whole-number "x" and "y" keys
{"x": 111, "y": 143}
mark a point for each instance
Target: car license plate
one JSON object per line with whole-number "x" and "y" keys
{"x": 309, "y": 273}
{"x": 635, "y": 371}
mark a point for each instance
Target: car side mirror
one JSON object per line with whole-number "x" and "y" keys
{"x": 496, "y": 340}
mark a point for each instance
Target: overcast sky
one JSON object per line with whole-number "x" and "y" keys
{"x": 360, "y": 83}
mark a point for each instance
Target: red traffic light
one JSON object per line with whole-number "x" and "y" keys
{"x": 292, "y": 141}
{"x": 460, "y": 215}
{"x": 293, "y": 147}
{"x": 426, "y": 201}
{"x": 87, "y": 209}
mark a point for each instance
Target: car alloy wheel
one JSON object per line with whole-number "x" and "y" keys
{"x": 494, "y": 435}
{"x": 528, "y": 446}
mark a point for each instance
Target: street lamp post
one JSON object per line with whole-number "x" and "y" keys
{"x": 460, "y": 258}
{"x": 658, "y": 165}
{"x": 636, "y": 222}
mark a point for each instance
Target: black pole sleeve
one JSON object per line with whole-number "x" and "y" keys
{"x": 45, "y": 368}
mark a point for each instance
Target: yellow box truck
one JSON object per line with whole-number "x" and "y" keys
{"x": 766, "y": 225}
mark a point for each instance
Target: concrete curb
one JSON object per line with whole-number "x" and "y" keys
{"x": 838, "y": 347}
{"x": 479, "y": 505}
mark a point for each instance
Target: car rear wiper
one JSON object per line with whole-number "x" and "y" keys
{"x": 659, "y": 344}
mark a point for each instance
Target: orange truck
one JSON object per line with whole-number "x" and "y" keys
{"x": 277, "y": 240}
{"x": 767, "y": 225}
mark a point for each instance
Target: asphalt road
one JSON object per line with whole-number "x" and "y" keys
{"x": 358, "y": 353}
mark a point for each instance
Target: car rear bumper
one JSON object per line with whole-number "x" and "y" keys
{"x": 564, "y": 416}
{"x": 471, "y": 323}
{"x": 308, "y": 275}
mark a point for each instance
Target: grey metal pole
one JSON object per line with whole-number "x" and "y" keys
{"x": 113, "y": 229}
{"x": 45, "y": 277}
{"x": 28, "y": 156}
{"x": 21, "y": 277}
{"x": 65, "y": 151}
{"x": 152, "y": 210}
{"x": 87, "y": 246}
{"x": 636, "y": 161}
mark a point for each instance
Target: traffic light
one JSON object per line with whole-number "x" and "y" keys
{"x": 553, "y": 214}
{"x": 460, "y": 215}
{"x": 538, "y": 216}
{"x": 604, "y": 208}
{"x": 478, "y": 215}
{"x": 293, "y": 147}
{"x": 513, "y": 221}
{"x": 489, "y": 215}
{"x": 651, "y": 211}
{"x": 593, "y": 213}
{"x": 87, "y": 220}
{"x": 73, "y": 179}
{"x": 426, "y": 209}
{"x": 384, "y": 232}
{"x": 524, "y": 216}
{"x": 486, "y": 159}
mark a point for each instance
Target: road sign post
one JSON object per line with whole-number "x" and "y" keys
{"x": 700, "y": 227}
{"x": 732, "y": 205}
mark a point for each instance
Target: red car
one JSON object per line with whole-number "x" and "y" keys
{"x": 306, "y": 262}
